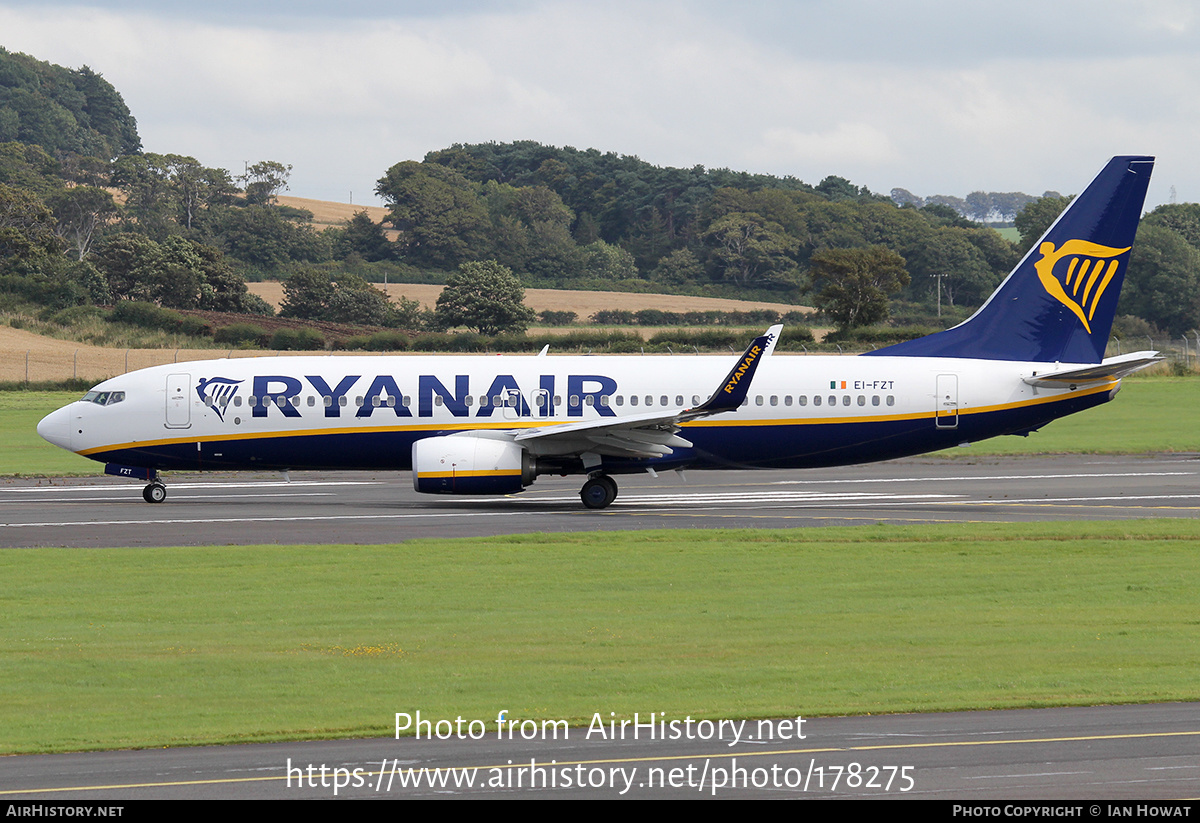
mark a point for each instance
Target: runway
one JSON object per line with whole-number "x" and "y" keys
{"x": 1029, "y": 756}
{"x": 384, "y": 508}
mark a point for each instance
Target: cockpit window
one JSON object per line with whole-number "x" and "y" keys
{"x": 103, "y": 398}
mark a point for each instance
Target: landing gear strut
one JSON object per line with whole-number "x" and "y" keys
{"x": 598, "y": 492}
{"x": 156, "y": 492}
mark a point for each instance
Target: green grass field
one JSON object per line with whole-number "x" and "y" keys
{"x": 153, "y": 647}
{"x": 1149, "y": 415}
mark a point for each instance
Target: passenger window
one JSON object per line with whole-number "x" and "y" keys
{"x": 589, "y": 400}
{"x": 816, "y": 400}
{"x": 237, "y": 401}
{"x": 891, "y": 401}
{"x": 620, "y": 400}
{"x": 862, "y": 400}
{"x": 787, "y": 400}
{"x": 695, "y": 400}
{"x": 845, "y": 400}
{"x": 633, "y": 400}
{"x": 437, "y": 400}
{"x": 342, "y": 401}
{"x": 832, "y": 400}
{"x": 803, "y": 400}
{"x": 649, "y": 400}
{"x": 679, "y": 400}
{"x": 758, "y": 399}
{"x": 662, "y": 401}
{"x": 574, "y": 401}
{"x": 874, "y": 400}
{"x": 774, "y": 400}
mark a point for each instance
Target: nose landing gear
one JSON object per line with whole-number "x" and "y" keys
{"x": 155, "y": 492}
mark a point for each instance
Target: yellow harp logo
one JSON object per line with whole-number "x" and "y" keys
{"x": 1086, "y": 270}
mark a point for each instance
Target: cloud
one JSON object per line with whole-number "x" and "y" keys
{"x": 936, "y": 97}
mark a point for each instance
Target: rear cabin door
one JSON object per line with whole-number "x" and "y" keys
{"x": 946, "y": 413}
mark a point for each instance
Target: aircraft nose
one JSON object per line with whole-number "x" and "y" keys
{"x": 56, "y": 428}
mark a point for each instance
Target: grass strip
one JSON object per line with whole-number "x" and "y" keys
{"x": 151, "y": 647}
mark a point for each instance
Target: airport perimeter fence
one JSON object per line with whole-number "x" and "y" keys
{"x": 67, "y": 361}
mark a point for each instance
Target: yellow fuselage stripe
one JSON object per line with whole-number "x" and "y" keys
{"x": 530, "y": 424}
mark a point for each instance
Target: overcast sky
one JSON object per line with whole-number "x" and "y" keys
{"x": 935, "y": 96}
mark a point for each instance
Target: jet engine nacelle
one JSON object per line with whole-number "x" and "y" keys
{"x": 466, "y": 464}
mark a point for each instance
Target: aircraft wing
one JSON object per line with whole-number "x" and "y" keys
{"x": 651, "y": 434}
{"x": 1111, "y": 368}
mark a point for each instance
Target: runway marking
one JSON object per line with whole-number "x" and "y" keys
{"x": 268, "y": 484}
{"x": 272, "y": 495}
{"x": 939, "y": 479}
{"x": 274, "y": 519}
{"x": 720, "y": 755}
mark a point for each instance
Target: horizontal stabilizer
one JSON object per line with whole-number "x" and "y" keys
{"x": 1110, "y": 369}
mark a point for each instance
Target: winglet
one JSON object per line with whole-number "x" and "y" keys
{"x": 733, "y": 389}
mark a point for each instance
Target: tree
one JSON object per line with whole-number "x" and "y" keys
{"x": 747, "y": 249}
{"x": 80, "y": 212}
{"x": 441, "y": 220}
{"x": 264, "y": 180}
{"x": 484, "y": 296}
{"x": 364, "y": 237}
{"x": 1033, "y": 220}
{"x": 852, "y": 286}
{"x": 1163, "y": 282}
{"x": 177, "y": 273}
{"x": 27, "y": 233}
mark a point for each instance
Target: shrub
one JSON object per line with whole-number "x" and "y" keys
{"x": 297, "y": 340}
{"x": 242, "y": 334}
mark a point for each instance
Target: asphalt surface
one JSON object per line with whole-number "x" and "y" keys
{"x": 384, "y": 508}
{"x": 1111, "y": 752}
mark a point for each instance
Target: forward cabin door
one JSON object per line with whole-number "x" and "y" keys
{"x": 179, "y": 407}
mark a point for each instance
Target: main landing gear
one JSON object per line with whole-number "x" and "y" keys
{"x": 598, "y": 492}
{"x": 156, "y": 492}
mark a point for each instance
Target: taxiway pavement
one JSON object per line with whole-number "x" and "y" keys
{"x": 384, "y": 508}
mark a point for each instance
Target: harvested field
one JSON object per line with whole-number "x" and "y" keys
{"x": 32, "y": 357}
{"x": 327, "y": 213}
{"x": 583, "y": 303}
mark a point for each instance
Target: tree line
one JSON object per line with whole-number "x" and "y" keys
{"x": 86, "y": 216}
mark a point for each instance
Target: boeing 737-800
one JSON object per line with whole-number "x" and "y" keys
{"x": 491, "y": 425}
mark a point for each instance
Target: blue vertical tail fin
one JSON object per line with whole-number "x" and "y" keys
{"x": 1058, "y": 304}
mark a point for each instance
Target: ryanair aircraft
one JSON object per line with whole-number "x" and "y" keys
{"x": 491, "y": 425}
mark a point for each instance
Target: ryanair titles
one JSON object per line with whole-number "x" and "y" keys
{"x": 747, "y": 362}
{"x": 383, "y": 394}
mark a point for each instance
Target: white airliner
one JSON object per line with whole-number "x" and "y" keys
{"x": 491, "y": 425}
